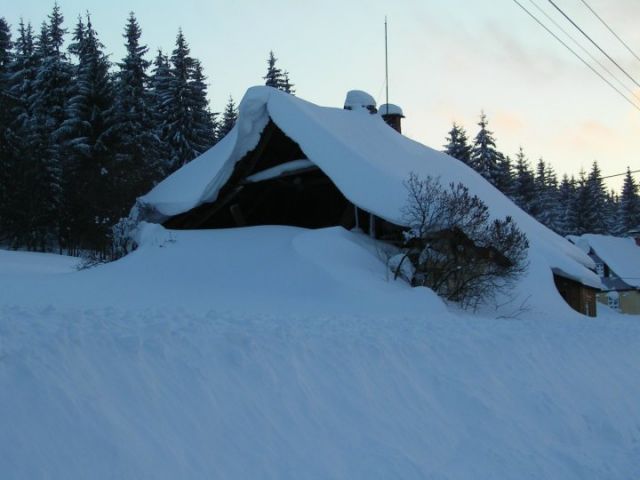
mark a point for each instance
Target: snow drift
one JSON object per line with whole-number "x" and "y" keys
{"x": 184, "y": 360}
{"x": 251, "y": 270}
{"x": 366, "y": 159}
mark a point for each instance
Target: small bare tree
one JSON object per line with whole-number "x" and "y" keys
{"x": 454, "y": 246}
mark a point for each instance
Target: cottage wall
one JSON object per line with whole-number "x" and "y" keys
{"x": 579, "y": 297}
{"x": 629, "y": 301}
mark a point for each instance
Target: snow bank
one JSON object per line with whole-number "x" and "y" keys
{"x": 254, "y": 270}
{"x": 32, "y": 263}
{"x": 262, "y": 270}
{"x": 279, "y": 352}
{"x": 368, "y": 161}
{"x": 107, "y": 394}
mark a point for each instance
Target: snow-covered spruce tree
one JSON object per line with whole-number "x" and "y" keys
{"x": 53, "y": 75}
{"x": 287, "y": 86}
{"x": 22, "y": 73}
{"x": 524, "y": 190}
{"x": 204, "y": 121}
{"x": 159, "y": 94}
{"x": 455, "y": 248}
{"x": 484, "y": 155}
{"x": 458, "y": 144}
{"x": 74, "y": 47}
{"x": 504, "y": 175}
{"x": 6, "y": 47}
{"x": 38, "y": 228}
{"x": 89, "y": 201}
{"x": 275, "y": 77}
{"x": 17, "y": 159}
{"x": 629, "y": 212}
{"x": 137, "y": 148}
{"x": 6, "y": 59}
{"x": 545, "y": 204}
{"x": 229, "y": 117}
{"x": 612, "y": 213}
{"x": 579, "y": 208}
{"x": 6, "y": 113}
{"x": 540, "y": 188}
{"x": 176, "y": 105}
{"x": 566, "y": 194}
{"x": 555, "y": 222}
{"x": 187, "y": 129}
{"x": 598, "y": 220}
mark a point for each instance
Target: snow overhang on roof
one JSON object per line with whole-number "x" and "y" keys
{"x": 588, "y": 281}
{"x": 366, "y": 160}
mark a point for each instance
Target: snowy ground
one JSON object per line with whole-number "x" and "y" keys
{"x": 284, "y": 353}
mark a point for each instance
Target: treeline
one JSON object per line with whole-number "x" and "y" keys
{"x": 82, "y": 137}
{"x": 569, "y": 206}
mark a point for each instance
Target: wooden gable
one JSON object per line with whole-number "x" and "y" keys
{"x": 305, "y": 197}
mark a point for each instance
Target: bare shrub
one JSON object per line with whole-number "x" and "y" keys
{"x": 455, "y": 247}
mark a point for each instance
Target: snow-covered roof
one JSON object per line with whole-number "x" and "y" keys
{"x": 367, "y": 160}
{"x": 622, "y": 255}
{"x": 390, "y": 109}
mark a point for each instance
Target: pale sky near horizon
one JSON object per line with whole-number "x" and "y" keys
{"x": 448, "y": 60}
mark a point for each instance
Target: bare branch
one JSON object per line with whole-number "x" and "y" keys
{"x": 455, "y": 247}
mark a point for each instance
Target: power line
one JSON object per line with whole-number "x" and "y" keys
{"x": 577, "y": 55}
{"x": 620, "y": 174}
{"x": 611, "y": 30}
{"x": 591, "y": 56}
{"x": 593, "y": 42}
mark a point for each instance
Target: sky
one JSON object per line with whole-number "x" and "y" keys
{"x": 448, "y": 61}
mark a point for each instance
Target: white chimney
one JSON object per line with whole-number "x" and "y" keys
{"x": 358, "y": 100}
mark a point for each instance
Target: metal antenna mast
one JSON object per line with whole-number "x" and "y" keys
{"x": 386, "y": 65}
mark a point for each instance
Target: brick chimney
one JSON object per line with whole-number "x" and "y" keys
{"x": 392, "y": 114}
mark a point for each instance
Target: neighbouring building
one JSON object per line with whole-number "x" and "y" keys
{"x": 617, "y": 262}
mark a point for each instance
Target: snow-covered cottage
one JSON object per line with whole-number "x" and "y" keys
{"x": 617, "y": 263}
{"x": 290, "y": 162}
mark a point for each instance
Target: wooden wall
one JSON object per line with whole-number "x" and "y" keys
{"x": 579, "y": 297}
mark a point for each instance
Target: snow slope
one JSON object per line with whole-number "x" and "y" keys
{"x": 275, "y": 352}
{"x": 368, "y": 161}
{"x": 109, "y": 394}
{"x": 14, "y": 263}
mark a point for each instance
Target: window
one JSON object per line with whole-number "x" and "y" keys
{"x": 613, "y": 300}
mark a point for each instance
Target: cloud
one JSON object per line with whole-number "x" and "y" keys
{"x": 507, "y": 122}
{"x": 589, "y": 135}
